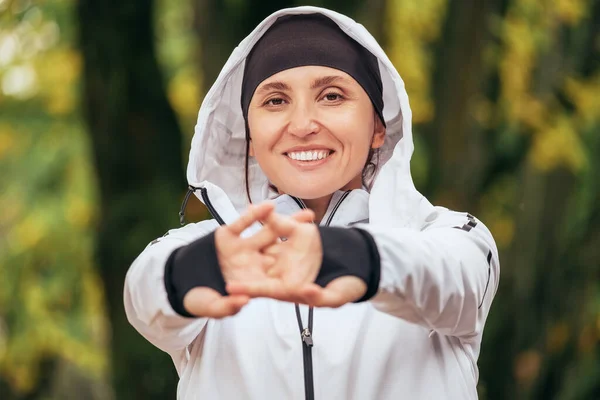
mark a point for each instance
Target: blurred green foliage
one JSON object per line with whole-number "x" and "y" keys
{"x": 532, "y": 124}
{"x": 50, "y": 295}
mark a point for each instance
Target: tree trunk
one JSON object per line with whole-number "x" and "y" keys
{"x": 222, "y": 25}
{"x": 372, "y": 14}
{"x": 458, "y": 154}
{"x": 137, "y": 152}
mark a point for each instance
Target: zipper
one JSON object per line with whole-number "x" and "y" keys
{"x": 306, "y": 333}
{"x": 211, "y": 209}
{"x": 307, "y": 344}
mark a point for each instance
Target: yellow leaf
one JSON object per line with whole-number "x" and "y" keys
{"x": 184, "y": 93}
{"x": 58, "y": 71}
{"x": 586, "y": 97}
{"x": 570, "y": 11}
{"x": 78, "y": 212}
{"x": 27, "y": 233}
{"x": 414, "y": 25}
{"x": 558, "y": 145}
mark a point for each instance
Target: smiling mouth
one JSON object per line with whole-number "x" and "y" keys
{"x": 309, "y": 155}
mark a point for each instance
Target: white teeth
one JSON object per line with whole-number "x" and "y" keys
{"x": 311, "y": 155}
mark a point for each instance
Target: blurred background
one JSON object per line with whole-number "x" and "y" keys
{"x": 98, "y": 100}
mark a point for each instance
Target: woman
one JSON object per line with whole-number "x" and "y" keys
{"x": 403, "y": 287}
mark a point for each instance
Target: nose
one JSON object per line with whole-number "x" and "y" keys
{"x": 302, "y": 122}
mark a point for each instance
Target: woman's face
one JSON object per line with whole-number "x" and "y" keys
{"x": 311, "y": 129}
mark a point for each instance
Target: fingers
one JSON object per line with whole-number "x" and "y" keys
{"x": 275, "y": 227}
{"x": 271, "y": 288}
{"x": 304, "y": 215}
{"x": 321, "y": 297}
{"x": 338, "y": 292}
{"x": 273, "y": 250}
{"x": 346, "y": 289}
{"x": 208, "y": 303}
{"x": 263, "y": 238}
{"x": 263, "y": 288}
{"x": 253, "y": 214}
{"x": 283, "y": 226}
{"x": 268, "y": 236}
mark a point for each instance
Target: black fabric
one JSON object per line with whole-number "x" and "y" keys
{"x": 310, "y": 39}
{"x": 350, "y": 252}
{"x": 191, "y": 266}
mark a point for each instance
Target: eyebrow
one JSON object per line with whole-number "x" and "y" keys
{"x": 277, "y": 85}
{"x": 317, "y": 83}
{"x": 326, "y": 80}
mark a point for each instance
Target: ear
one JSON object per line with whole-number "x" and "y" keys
{"x": 251, "y": 149}
{"x": 378, "y": 134}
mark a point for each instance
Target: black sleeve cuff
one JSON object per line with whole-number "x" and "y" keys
{"x": 350, "y": 252}
{"x": 191, "y": 266}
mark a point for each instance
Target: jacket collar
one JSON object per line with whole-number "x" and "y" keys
{"x": 345, "y": 208}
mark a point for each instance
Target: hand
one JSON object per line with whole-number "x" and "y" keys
{"x": 284, "y": 246}
{"x": 242, "y": 258}
{"x": 297, "y": 264}
{"x": 239, "y": 258}
{"x": 296, "y": 258}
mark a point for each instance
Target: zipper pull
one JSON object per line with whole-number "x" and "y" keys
{"x": 307, "y": 338}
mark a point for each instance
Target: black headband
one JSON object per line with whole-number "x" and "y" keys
{"x": 310, "y": 39}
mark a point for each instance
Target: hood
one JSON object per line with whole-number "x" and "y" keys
{"x": 218, "y": 147}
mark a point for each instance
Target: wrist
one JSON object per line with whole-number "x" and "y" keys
{"x": 349, "y": 252}
{"x": 192, "y": 266}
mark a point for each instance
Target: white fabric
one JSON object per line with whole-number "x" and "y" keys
{"x": 419, "y": 338}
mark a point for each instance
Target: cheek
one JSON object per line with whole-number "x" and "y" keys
{"x": 263, "y": 136}
{"x": 261, "y": 145}
{"x": 353, "y": 130}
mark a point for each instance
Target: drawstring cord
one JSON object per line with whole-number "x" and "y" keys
{"x": 191, "y": 189}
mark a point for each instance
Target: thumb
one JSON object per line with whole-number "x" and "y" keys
{"x": 342, "y": 290}
{"x": 207, "y": 302}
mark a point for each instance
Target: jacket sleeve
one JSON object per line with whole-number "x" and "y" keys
{"x": 443, "y": 277}
{"x": 146, "y": 303}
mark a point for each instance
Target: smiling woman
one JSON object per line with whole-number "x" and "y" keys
{"x": 403, "y": 287}
{"x": 311, "y": 129}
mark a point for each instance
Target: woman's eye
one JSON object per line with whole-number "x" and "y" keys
{"x": 333, "y": 97}
{"x": 274, "y": 102}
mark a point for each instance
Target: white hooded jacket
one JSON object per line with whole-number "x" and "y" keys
{"x": 418, "y": 338}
